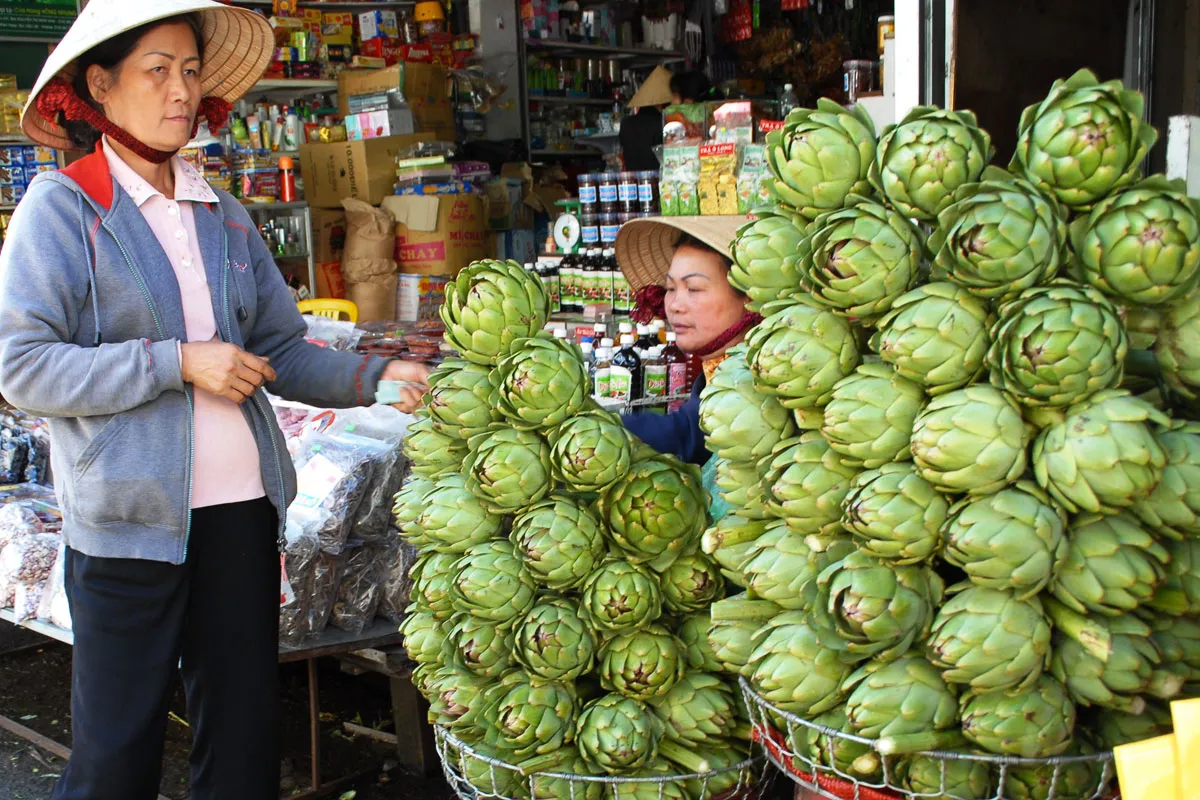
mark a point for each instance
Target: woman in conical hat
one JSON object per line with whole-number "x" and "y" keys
{"x": 141, "y": 312}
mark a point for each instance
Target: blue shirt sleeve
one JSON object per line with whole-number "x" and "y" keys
{"x": 677, "y": 434}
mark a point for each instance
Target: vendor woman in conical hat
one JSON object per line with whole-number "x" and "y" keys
{"x": 141, "y": 312}
{"x": 678, "y": 268}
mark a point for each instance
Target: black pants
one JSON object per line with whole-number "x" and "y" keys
{"x": 135, "y": 620}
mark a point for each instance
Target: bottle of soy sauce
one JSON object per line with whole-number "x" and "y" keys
{"x": 626, "y": 372}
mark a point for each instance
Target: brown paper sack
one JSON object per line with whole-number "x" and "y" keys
{"x": 367, "y": 263}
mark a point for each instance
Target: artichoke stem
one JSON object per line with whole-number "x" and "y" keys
{"x": 740, "y": 609}
{"x": 1091, "y": 635}
{"x": 867, "y": 764}
{"x": 548, "y": 762}
{"x": 684, "y": 757}
{"x": 1165, "y": 684}
{"x": 916, "y": 742}
{"x": 716, "y": 538}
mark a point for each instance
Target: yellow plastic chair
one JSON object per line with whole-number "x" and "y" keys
{"x": 330, "y": 309}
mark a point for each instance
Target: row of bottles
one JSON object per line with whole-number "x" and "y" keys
{"x": 639, "y": 368}
{"x": 590, "y": 277}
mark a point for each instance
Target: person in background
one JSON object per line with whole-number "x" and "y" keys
{"x": 692, "y": 86}
{"x": 141, "y": 313}
{"x": 679, "y": 268}
{"x": 642, "y": 130}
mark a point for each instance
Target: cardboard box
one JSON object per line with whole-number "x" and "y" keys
{"x": 504, "y": 203}
{"x": 363, "y": 170}
{"x": 519, "y": 245}
{"x": 377, "y": 24}
{"x": 337, "y": 27}
{"x": 378, "y": 124}
{"x": 425, "y": 86}
{"x": 439, "y": 235}
{"x": 330, "y": 282}
{"x": 418, "y": 297}
{"x": 329, "y": 234}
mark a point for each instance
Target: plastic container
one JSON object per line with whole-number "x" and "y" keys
{"x": 857, "y": 79}
{"x": 647, "y": 191}
{"x": 886, "y": 29}
{"x": 627, "y": 189}
{"x": 589, "y": 196}
{"x": 609, "y": 225}
{"x": 589, "y": 229}
{"x": 287, "y": 180}
{"x": 609, "y": 191}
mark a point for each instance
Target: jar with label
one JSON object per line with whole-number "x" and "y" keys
{"x": 609, "y": 191}
{"x": 627, "y": 187}
{"x": 589, "y": 195}
{"x": 589, "y": 229}
{"x": 647, "y": 191}
{"x": 858, "y": 77}
{"x": 609, "y": 225}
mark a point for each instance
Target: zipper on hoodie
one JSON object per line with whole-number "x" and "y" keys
{"x": 162, "y": 335}
{"x": 281, "y": 539}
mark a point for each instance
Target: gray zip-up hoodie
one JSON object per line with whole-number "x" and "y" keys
{"x": 90, "y": 319}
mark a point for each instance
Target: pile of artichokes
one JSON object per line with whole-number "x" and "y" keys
{"x": 560, "y": 567}
{"x": 966, "y": 486}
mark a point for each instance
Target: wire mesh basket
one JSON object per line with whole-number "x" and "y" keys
{"x": 475, "y": 776}
{"x": 842, "y": 766}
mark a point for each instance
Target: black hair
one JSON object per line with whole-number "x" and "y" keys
{"x": 687, "y": 240}
{"x": 108, "y": 55}
{"x": 691, "y": 86}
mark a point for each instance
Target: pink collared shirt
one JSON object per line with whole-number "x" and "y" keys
{"x": 225, "y": 463}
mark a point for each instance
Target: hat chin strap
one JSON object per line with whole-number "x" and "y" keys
{"x": 58, "y": 101}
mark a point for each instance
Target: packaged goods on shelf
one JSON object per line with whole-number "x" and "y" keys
{"x": 360, "y": 588}
{"x": 26, "y": 562}
{"x": 54, "y": 607}
{"x": 309, "y": 586}
{"x": 397, "y": 581}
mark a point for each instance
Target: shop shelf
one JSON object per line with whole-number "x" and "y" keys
{"x": 573, "y": 101}
{"x": 566, "y": 153}
{"x": 275, "y": 206}
{"x": 15, "y": 138}
{"x": 603, "y": 51}
{"x": 296, "y": 85}
{"x": 334, "y": 5}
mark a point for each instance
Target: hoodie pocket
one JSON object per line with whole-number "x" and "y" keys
{"x": 117, "y": 482}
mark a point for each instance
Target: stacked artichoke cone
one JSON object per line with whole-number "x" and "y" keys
{"x": 561, "y": 599}
{"x": 967, "y": 495}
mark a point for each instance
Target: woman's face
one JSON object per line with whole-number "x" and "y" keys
{"x": 700, "y": 303}
{"x": 154, "y": 93}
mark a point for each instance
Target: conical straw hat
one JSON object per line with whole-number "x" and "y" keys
{"x": 645, "y": 246}
{"x": 654, "y": 91}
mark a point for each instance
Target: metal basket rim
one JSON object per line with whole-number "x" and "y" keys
{"x": 939, "y": 755}
{"x": 458, "y": 744}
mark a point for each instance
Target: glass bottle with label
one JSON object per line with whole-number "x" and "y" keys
{"x": 626, "y": 371}
{"x": 622, "y": 293}
{"x": 553, "y": 281}
{"x": 646, "y": 338}
{"x": 565, "y": 282}
{"x": 599, "y": 332}
{"x": 676, "y": 362}
{"x": 589, "y": 361}
{"x": 602, "y": 372}
{"x": 654, "y": 372}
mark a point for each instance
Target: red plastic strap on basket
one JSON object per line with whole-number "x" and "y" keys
{"x": 776, "y": 746}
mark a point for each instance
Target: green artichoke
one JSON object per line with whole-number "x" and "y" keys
{"x": 999, "y": 237}
{"x": 590, "y": 452}
{"x": 655, "y": 511}
{"x": 1078, "y": 779}
{"x": 924, "y": 159}
{"x": 1102, "y": 456}
{"x": 859, "y": 259}
{"x": 482, "y": 646}
{"x": 740, "y": 423}
{"x": 820, "y": 157}
{"x": 723, "y": 780}
{"x": 792, "y": 668}
{"x": 903, "y": 703}
{"x": 618, "y": 734}
{"x": 425, "y": 640}
{"x": 735, "y": 623}
{"x": 697, "y": 653}
{"x": 696, "y": 709}
{"x": 869, "y": 418}
{"x": 796, "y": 355}
{"x": 805, "y": 484}
{"x": 895, "y": 514}
{"x": 1179, "y": 593}
{"x": 935, "y": 336}
{"x": 936, "y": 778}
{"x": 642, "y": 663}
{"x": 431, "y": 452}
{"x": 508, "y": 470}
{"x": 740, "y": 485}
{"x": 451, "y": 519}
{"x": 1178, "y": 642}
{"x": 1173, "y": 508}
{"x": 541, "y": 382}
{"x": 764, "y": 257}
{"x": 1142, "y": 244}
{"x": 533, "y": 717}
{"x": 620, "y": 596}
{"x": 1177, "y": 349}
{"x": 970, "y": 440}
{"x": 490, "y": 305}
{"x": 1014, "y": 539}
{"x": 730, "y": 542}
{"x": 691, "y": 583}
{"x": 453, "y": 695}
{"x": 409, "y": 504}
{"x": 544, "y": 786}
{"x": 1120, "y": 681}
{"x": 1033, "y": 723}
{"x": 1115, "y": 728}
{"x": 460, "y": 399}
{"x": 1058, "y": 344}
{"x": 554, "y": 642}
{"x": 486, "y": 778}
{"x": 877, "y": 609}
{"x": 433, "y": 577}
{"x": 843, "y": 754}
{"x": 1113, "y": 565}
{"x": 491, "y": 582}
{"x": 1084, "y": 141}
{"x": 560, "y": 542}
{"x": 989, "y": 640}
{"x": 781, "y": 564}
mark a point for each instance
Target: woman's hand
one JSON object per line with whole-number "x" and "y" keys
{"x": 412, "y": 372}
{"x": 225, "y": 370}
